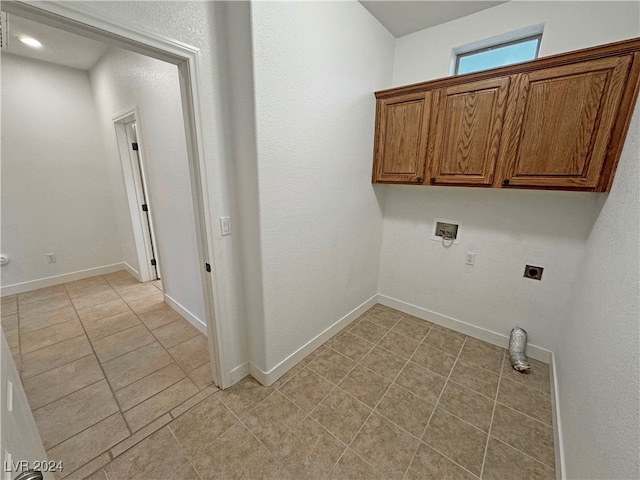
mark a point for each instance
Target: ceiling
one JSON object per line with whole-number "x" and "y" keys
{"x": 58, "y": 46}
{"x": 405, "y": 17}
{"x": 398, "y": 16}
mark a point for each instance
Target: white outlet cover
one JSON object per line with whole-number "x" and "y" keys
{"x": 470, "y": 258}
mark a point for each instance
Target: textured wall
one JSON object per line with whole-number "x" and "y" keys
{"x": 598, "y": 349}
{"x": 428, "y": 54}
{"x": 592, "y": 328}
{"x": 195, "y": 24}
{"x": 507, "y": 229}
{"x": 56, "y": 194}
{"x": 316, "y": 66}
{"x": 120, "y": 80}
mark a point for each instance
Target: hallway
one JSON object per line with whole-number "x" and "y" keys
{"x": 103, "y": 361}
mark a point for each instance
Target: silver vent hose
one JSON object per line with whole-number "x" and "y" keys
{"x": 517, "y": 347}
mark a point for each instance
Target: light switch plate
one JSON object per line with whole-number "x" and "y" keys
{"x": 225, "y": 226}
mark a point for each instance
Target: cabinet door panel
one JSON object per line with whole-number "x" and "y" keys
{"x": 565, "y": 119}
{"x": 402, "y": 133}
{"x": 467, "y": 132}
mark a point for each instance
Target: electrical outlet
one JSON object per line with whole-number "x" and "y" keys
{"x": 470, "y": 258}
{"x": 51, "y": 257}
{"x": 531, "y": 271}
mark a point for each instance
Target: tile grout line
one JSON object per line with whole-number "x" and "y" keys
{"x": 435, "y": 406}
{"x": 239, "y": 420}
{"x": 548, "y": 425}
{"x": 52, "y": 344}
{"x": 75, "y": 310}
{"x": 524, "y": 384}
{"x": 373, "y": 409}
{"x": 493, "y": 412}
{"x": 120, "y": 411}
{"x": 92, "y": 459}
{"x": 104, "y": 374}
{"x": 23, "y": 379}
{"x": 48, "y": 326}
{"x": 184, "y": 453}
{"x": 70, "y": 393}
{"x": 335, "y": 386}
{"x": 524, "y": 453}
{"x": 393, "y": 382}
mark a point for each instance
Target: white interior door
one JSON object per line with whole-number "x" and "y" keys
{"x": 140, "y": 182}
{"x": 134, "y": 172}
{"x": 20, "y": 441}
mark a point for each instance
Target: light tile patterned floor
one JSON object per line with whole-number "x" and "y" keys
{"x": 103, "y": 362}
{"x": 391, "y": 396}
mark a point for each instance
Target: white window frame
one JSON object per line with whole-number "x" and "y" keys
{"x": 498, "y": 41}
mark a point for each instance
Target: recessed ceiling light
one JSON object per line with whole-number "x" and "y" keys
{"x": 30, "y": 41}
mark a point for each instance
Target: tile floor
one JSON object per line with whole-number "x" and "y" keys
{"x": 103, "y": 362}
{"x": 391, "y": 396}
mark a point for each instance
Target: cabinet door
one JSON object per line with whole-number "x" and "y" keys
{"x": 466, "y": 132}
{"x": 401, "y": 133}
{"x": 563, "y": 118}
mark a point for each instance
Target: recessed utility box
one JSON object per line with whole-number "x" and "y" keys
{"x": 531, "y": 271}
{"x": 446, "y": 230}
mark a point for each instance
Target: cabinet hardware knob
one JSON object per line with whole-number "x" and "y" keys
{"x": 419, "y": 179}
{"x": 433, "y": 180}
{"x": 505, "y": 181}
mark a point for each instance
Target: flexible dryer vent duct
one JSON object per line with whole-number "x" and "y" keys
{"x": 517, "y": 347}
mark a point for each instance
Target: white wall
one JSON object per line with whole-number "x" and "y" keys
{"x": 597, "y": 352}
{"x": 586, "y": 308}
{"x": 56, "y": 196}
{"x": 507, "y": 229}
{"x": 427, "y": 54}
{"x": 316, "y": 65}
{"x": 194, "y": 23}
{"x": 120, "y": 80}
{"x": 241, "y": 127}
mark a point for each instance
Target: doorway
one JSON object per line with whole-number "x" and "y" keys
{"x": 132, "y": 158}
{"x": 185, "y": 57}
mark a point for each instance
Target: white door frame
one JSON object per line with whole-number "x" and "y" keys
{"x": 74, "y": 19}
{"x": 133, "y": 182}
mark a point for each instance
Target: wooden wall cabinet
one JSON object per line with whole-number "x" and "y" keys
{"x": 467, "y": 128}
{"x": 403, "y": 126}
{"x": 553, "y": 123}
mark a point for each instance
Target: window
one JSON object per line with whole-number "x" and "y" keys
{"x": 499, "y": 55}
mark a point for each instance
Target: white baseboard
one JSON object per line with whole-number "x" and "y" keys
{"x": 132, "y": 271}
{"x": 190, "y": 317}
{"x": 480, "y": 333}
{"x": 557, "y": 421}
{"x": 239, "y": 372}
{"x": 64, "y": 278}
{"x": 267, "y": 378}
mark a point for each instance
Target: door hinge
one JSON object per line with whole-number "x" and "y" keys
{"x": 153, "y": 262}
{"x": 145, "y": 208}
{"x": 207, "y": 267}
{"x": 134, "y": 146}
